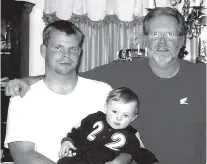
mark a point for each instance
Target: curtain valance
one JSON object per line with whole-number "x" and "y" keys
{"x": 48, "y": 18}
{"x": 99, "y": 10}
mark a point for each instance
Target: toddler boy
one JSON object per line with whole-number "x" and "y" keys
{"x": 101, "y": 137}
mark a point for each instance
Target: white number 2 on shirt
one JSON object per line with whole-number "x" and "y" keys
{"x": 99, "y": 127}
{"x": 118, "y": 138}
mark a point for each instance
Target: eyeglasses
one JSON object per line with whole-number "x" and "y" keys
{"x": 166, "y": 35}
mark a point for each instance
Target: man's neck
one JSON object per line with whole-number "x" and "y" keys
{"x": 168, "y": 71}
{"x": 61, "y": 84}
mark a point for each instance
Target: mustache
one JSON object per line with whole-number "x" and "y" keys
{"x": 165, "y": 49}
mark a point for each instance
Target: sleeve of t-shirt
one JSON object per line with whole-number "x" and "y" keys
{"x": 139, "y": 154}
{"x": 103, "y": 90}
{"x": 20, "y": 122}
{"x": 103, "y": 96}
{"x": 135, "y": 131}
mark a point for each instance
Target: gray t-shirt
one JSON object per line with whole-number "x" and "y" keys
{"x": 172, "y": 117}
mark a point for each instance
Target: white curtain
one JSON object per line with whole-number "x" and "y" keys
{"x": 109, "y": 25}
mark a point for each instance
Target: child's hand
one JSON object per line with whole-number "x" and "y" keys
{"x": 65, "y": 149}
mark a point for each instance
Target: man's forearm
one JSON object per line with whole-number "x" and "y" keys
{"x": 32, "y": 157}
{"x": 124, "y": 158}
{"x": 33, "y": 79}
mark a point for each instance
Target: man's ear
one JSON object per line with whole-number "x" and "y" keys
{"x": 43, "y": 50}
{"x": 182, "y": 41}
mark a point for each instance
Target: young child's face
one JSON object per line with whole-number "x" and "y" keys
{"x": 120, "y": 114}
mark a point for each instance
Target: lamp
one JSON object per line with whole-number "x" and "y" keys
{"x": 195, "y": 22}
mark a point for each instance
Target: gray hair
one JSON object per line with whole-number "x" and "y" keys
{"x": 168, "y": 12}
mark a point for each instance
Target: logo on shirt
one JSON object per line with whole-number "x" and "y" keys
{"x": 184, "y": 101}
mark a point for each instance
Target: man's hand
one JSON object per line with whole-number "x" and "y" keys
{"x": 16, "y": 87}
{"x": 113, "y": 162}
{"x": 66, "y": 149}
{"x": 123, "y": 158}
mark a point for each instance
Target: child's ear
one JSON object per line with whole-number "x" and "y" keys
{"x": 43, "y": 50}
{"x": 105, "y": 107}
{"x": 134, "y": 117}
